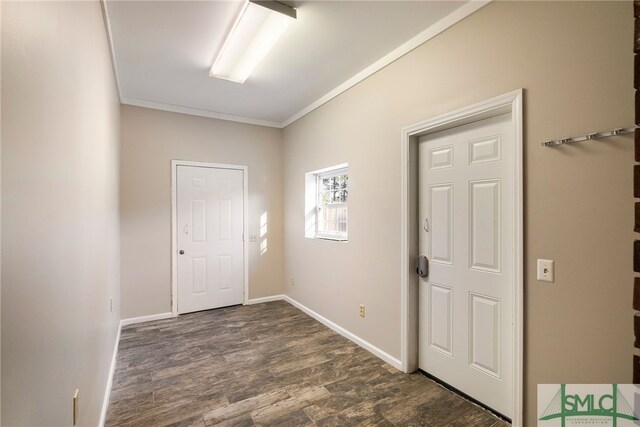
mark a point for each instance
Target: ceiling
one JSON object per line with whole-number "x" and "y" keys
{"x": 163, "y": 50}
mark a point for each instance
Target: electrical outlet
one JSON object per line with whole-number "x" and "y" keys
{"x": 76, "y": 409}
{"x": 293, "y": 282}
{"x": 545, "y": 270}
{"x": 362, "y": 310}
{"x": 253, "y": 238}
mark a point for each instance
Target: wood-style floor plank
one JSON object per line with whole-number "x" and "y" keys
{"x": 268, "y": 365}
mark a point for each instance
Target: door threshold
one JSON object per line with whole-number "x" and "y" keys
{"x": 465, "y": 396}
{"x": 210, "y": 309}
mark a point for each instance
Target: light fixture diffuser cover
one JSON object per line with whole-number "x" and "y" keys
{"x": 253, "y": 35}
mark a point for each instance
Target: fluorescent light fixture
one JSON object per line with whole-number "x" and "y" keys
{"x": 257, "y": 29}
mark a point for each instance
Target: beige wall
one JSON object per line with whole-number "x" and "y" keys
{"x": 60, "y": 139}
{"x": 575, "y": 62}
{"x": 150, "y": 140}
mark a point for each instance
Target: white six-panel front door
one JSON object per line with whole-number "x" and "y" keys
{"x": 210, "y": 215}
{"x": 466, "y": 213}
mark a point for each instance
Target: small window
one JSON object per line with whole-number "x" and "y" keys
{"x": 333, "y": 194}
{"x": 327, "y": 212}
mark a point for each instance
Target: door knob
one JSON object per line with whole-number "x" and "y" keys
{"x": 181, "y": 252}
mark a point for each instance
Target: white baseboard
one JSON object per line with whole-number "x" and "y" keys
{"x": 339, "y": 329}
{"x": 151, "y": 317}
{"x": 265, "y": 299}
{"x": 112, "y": 369}
{"x": 396, "y": 363}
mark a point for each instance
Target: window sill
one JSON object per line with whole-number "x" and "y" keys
{"x": 330, "y": 239}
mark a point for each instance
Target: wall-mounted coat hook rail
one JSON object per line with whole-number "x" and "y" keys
{"x": 596, "y": 135}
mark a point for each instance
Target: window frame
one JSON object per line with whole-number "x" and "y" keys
{"x": 319, "y": 176}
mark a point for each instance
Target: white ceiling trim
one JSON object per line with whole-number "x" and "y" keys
{"x": 114, "y": 63}
{"x": 446, "y": 22}
{"x": 171, "y": 107}
{"x": 437, "y": 28}
{"x": 196, "y": 112}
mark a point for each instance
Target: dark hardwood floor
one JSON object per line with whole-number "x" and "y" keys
{"x": 268, "y": 364}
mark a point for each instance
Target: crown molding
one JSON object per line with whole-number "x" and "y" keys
{"x": 197, "y": 112}
{"x": 114, "y": 63}
{"x": 435, "y": 29}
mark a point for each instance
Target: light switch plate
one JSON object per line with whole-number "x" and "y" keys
{"x": 545, "y": 270}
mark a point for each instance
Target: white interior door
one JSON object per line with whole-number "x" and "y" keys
{"x": 210, "y": 223}
{"x": 467, "y": 230}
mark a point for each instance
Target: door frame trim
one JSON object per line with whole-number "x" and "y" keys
{"x": 512, "y": 103}
{"x": 174, "y": 222}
